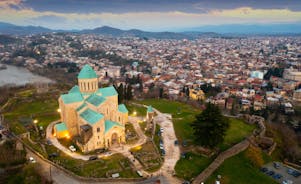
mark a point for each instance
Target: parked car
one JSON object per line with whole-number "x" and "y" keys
{"x": 277, "y": 176}
{"x": 296, "y": 173}
{"x": 72, "y": 148}
{"x": 270, "y": 173}
{"x": 183, "y": 155}
{"x": 263, "y": 169}
{"x": 140, "y": 173}
{"x": 49, "y": 142}
{"x": 94, "y": 157}
{"x": 176, "y": 142}
{"x": 287, "y": 182}
{"x": 163, "y": 152}
{"x": 293, "y": 172}
{"x": 32, "y": 160}
{"x": 53, "y": 155}
{"x": 107, "y": 154}
{"x": 276, "y": 165}
{"x": 161, "y": 130}
{"x": 102, "y": 150}
{"x": 161, "y": 147}
{"x": 161, "y": 141}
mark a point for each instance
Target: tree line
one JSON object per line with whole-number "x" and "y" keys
{"x": 125, "y": 92}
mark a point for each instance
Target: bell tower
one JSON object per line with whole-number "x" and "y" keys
{"x": 87, "y": 80}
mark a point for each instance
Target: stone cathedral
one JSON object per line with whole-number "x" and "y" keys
{"x": 91, "y": 115}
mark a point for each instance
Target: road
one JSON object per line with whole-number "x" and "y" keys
{"x": 172, "y": 152}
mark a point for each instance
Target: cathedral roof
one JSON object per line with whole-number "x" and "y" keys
{"x": 110, "y": 124}
{"x": 74, "y": 89}
{"x": 72, "y": 97}
{"x": 91, "y": 116}
{"x": 95, "y": 99}
{"x": 122, "y": 108}
{"x": 107, "y": 91}
{"x": 87, "y": 73}
{"x": 81, "y": 107}
{"x": 60, "y": 127}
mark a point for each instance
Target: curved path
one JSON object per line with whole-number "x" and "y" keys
{"x": 58, "y": 145}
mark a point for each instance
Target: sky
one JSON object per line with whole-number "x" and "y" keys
{"x": 149, "y": 15}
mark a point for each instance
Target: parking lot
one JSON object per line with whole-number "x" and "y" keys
{"x": 280, "y": 173}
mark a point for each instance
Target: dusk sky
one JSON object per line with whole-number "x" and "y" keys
{"x": 151, "y": 15}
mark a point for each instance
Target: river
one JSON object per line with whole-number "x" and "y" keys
{"x": 20, "y": 76}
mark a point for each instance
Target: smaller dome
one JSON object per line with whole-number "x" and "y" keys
{"x": 87, "y": 72}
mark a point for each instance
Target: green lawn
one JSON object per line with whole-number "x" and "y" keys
{"x": 190, "y": 166}
{"x": 141, "y": 111}
{"x": 237, "y": 131}
{"x": 43, "y": 110}
{"x": 157, "y": 137}
{"x": 239, "y": 170}
{"x": 182, "y": 114}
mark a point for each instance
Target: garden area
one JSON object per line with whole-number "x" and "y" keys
{"x": 102, "y": 168}
{"x": 131, "y": 134}
{"x": 148, "y": 156}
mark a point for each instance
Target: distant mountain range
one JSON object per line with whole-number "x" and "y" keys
{"x": 204, "y": 31}
{"x": 6, "y": 28}
{"x": 106, "y": 30}
{"x": 250, "y": 29}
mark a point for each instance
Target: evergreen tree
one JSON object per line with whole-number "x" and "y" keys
{"x": 140, "y": 86}
{"x": 210, "y": 126}
{"x": 129, "y": 94}
{"x": 161, "y": 93}
{"x": 187, "y": 91}
{"x": 120, "y": 91}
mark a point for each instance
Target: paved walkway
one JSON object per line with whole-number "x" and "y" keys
{"x": 58, "y": 145}
{"x": 172, "y": 152}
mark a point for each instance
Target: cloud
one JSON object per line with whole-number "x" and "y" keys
{"x": 11, "y": 3}
{"x": 147, "y": 20}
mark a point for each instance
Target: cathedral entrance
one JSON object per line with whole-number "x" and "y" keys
{"x": 114, "y": 139}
